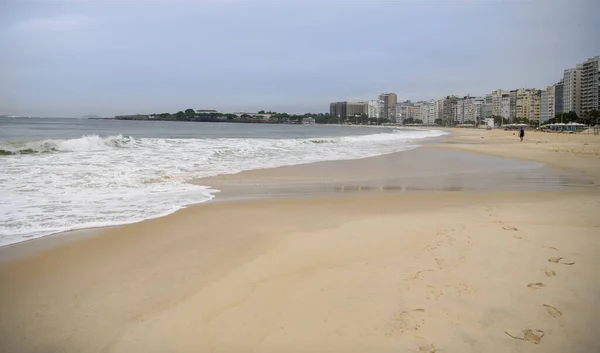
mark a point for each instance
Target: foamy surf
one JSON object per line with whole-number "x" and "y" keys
{"x": 51, "y": 186}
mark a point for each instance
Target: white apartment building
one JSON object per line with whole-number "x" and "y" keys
{"x": 439, "y": 107}
{"x": 590, "y": 85}
{"x": 478, "y": 111}
{"x": 374, "y": 109}
{"x": 505, "y": 111}
{"x": 572, "y": 90}
{"x": 524, "y": 101}
{"x": 469, "y": 109}
{"x": 430, "y": 112}
{"x": 497, "y": 102}
{"x": 547, "y": 104}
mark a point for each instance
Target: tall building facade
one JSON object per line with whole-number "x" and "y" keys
{"x": 470, "y": 109}
{"x": 430, "y": 112}
{"x": 449, "y": 109}
{"x": 357, "y": 108}
{"x": 535, "y": 106}
{"x": 547, "y": 104}
{"x": 374, "y": 109}
{"x": 439, "y": 106}
{"x": 590, "y": 85}
{"x": 489, "y": 98}
{"x": 505, "y": 112}
{"x": 338, "y": 109}
{"x": 523, "y": 104}
{"x": 404, "y": 111}
{"x": 559, "y": 97}
{"x": 495, "y": 98}
{"x": 512, "y": 114}
{"x": 572, "y": 90}
{"x": 389, "y": 105}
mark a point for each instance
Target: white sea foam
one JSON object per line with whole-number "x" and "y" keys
{"x": 50, "y": 186}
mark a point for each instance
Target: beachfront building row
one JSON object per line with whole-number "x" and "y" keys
{"x": 580, "y": 88}
{"x": 384, "y": 108}
{"x": 577, "y": 91}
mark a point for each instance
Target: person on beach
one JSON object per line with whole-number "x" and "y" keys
{"x": 522, "y": 134}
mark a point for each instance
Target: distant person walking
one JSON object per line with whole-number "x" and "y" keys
{"x": 522, "y": 134}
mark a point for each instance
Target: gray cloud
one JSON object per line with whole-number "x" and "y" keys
{"x": 77, "y": 57}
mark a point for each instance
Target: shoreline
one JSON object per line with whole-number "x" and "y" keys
{"x": 376, "y": 270}
{"x": 194, "y": 181}
{"x": 281, "y": 183}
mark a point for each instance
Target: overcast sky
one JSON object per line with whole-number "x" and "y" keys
{"x": 69, "y": 58}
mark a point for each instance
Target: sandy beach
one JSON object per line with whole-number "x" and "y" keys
{"x": 407, "y": 262}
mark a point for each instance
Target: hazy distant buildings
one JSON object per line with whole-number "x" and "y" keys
{"x": 590, "y": 85}
{"x": 389, "y": 101}
{"x": 374, "y": 109}
{"x": 505, "y": 112}
{"x": 357, "y": 108}
{"x": 577, "y": 91}
{"x": 338, "y": 109}
{"x": 449, "y": 110}
{"x": 470, "y": 109}
{"x": 572, "y": 90}
{"x": 512, "y": 96}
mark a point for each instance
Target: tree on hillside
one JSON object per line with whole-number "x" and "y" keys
{"x": 190, "y": 113}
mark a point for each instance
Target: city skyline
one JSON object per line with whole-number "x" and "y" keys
{"x": 76, "y": 58}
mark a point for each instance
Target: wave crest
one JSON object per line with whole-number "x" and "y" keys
{"x": 82, "y": 144}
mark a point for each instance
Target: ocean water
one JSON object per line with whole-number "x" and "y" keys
{"x": 65, "y": 174}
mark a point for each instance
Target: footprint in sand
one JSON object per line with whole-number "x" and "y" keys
{"x": 552, "y": 310}
{"x": 536, "y": 285}
{"x": 560, "y": 260}
{"x": 410, "y": 320}
{"x": 435, "y": 293}
{"x": 550, "y": 273}
{"x": 424, "y": 346}
{"x": 505, "y": 227}
{"x": 533, "y": 336}
{"x": 551, "y": 248}
{"x": 419, "y": 274}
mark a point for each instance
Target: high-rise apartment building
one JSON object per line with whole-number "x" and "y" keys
{"x": 488, "y": 110}
{"x": 374, "y": 109}
{"x": 470, "y": 109}
{"x": 439, "y": 107}
{"x": 429, "y": 113}
{"x": 559, "y": 97}
{"x": 572, "y": 90}
{"x": 535, "y": 106}
{"x": 495, "y": 98}
{"x": 338, "y": 109}
{"x": 389, "y": 105}
{"x": 524, "y": 103}
{"x": 547, "y": 104}
{"x": 449, "y": 107}
{"x": 357, "y": 108}
{"x": 404, "y": 111}
{"x": 590, "y": 85}
{"x": 513, "y": 104}
{"x": 505, "y": 112}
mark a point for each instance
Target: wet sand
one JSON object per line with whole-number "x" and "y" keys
{"x": 470, "y": 270}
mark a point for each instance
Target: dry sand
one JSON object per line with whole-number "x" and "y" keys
{"x": 421, "y": 272}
